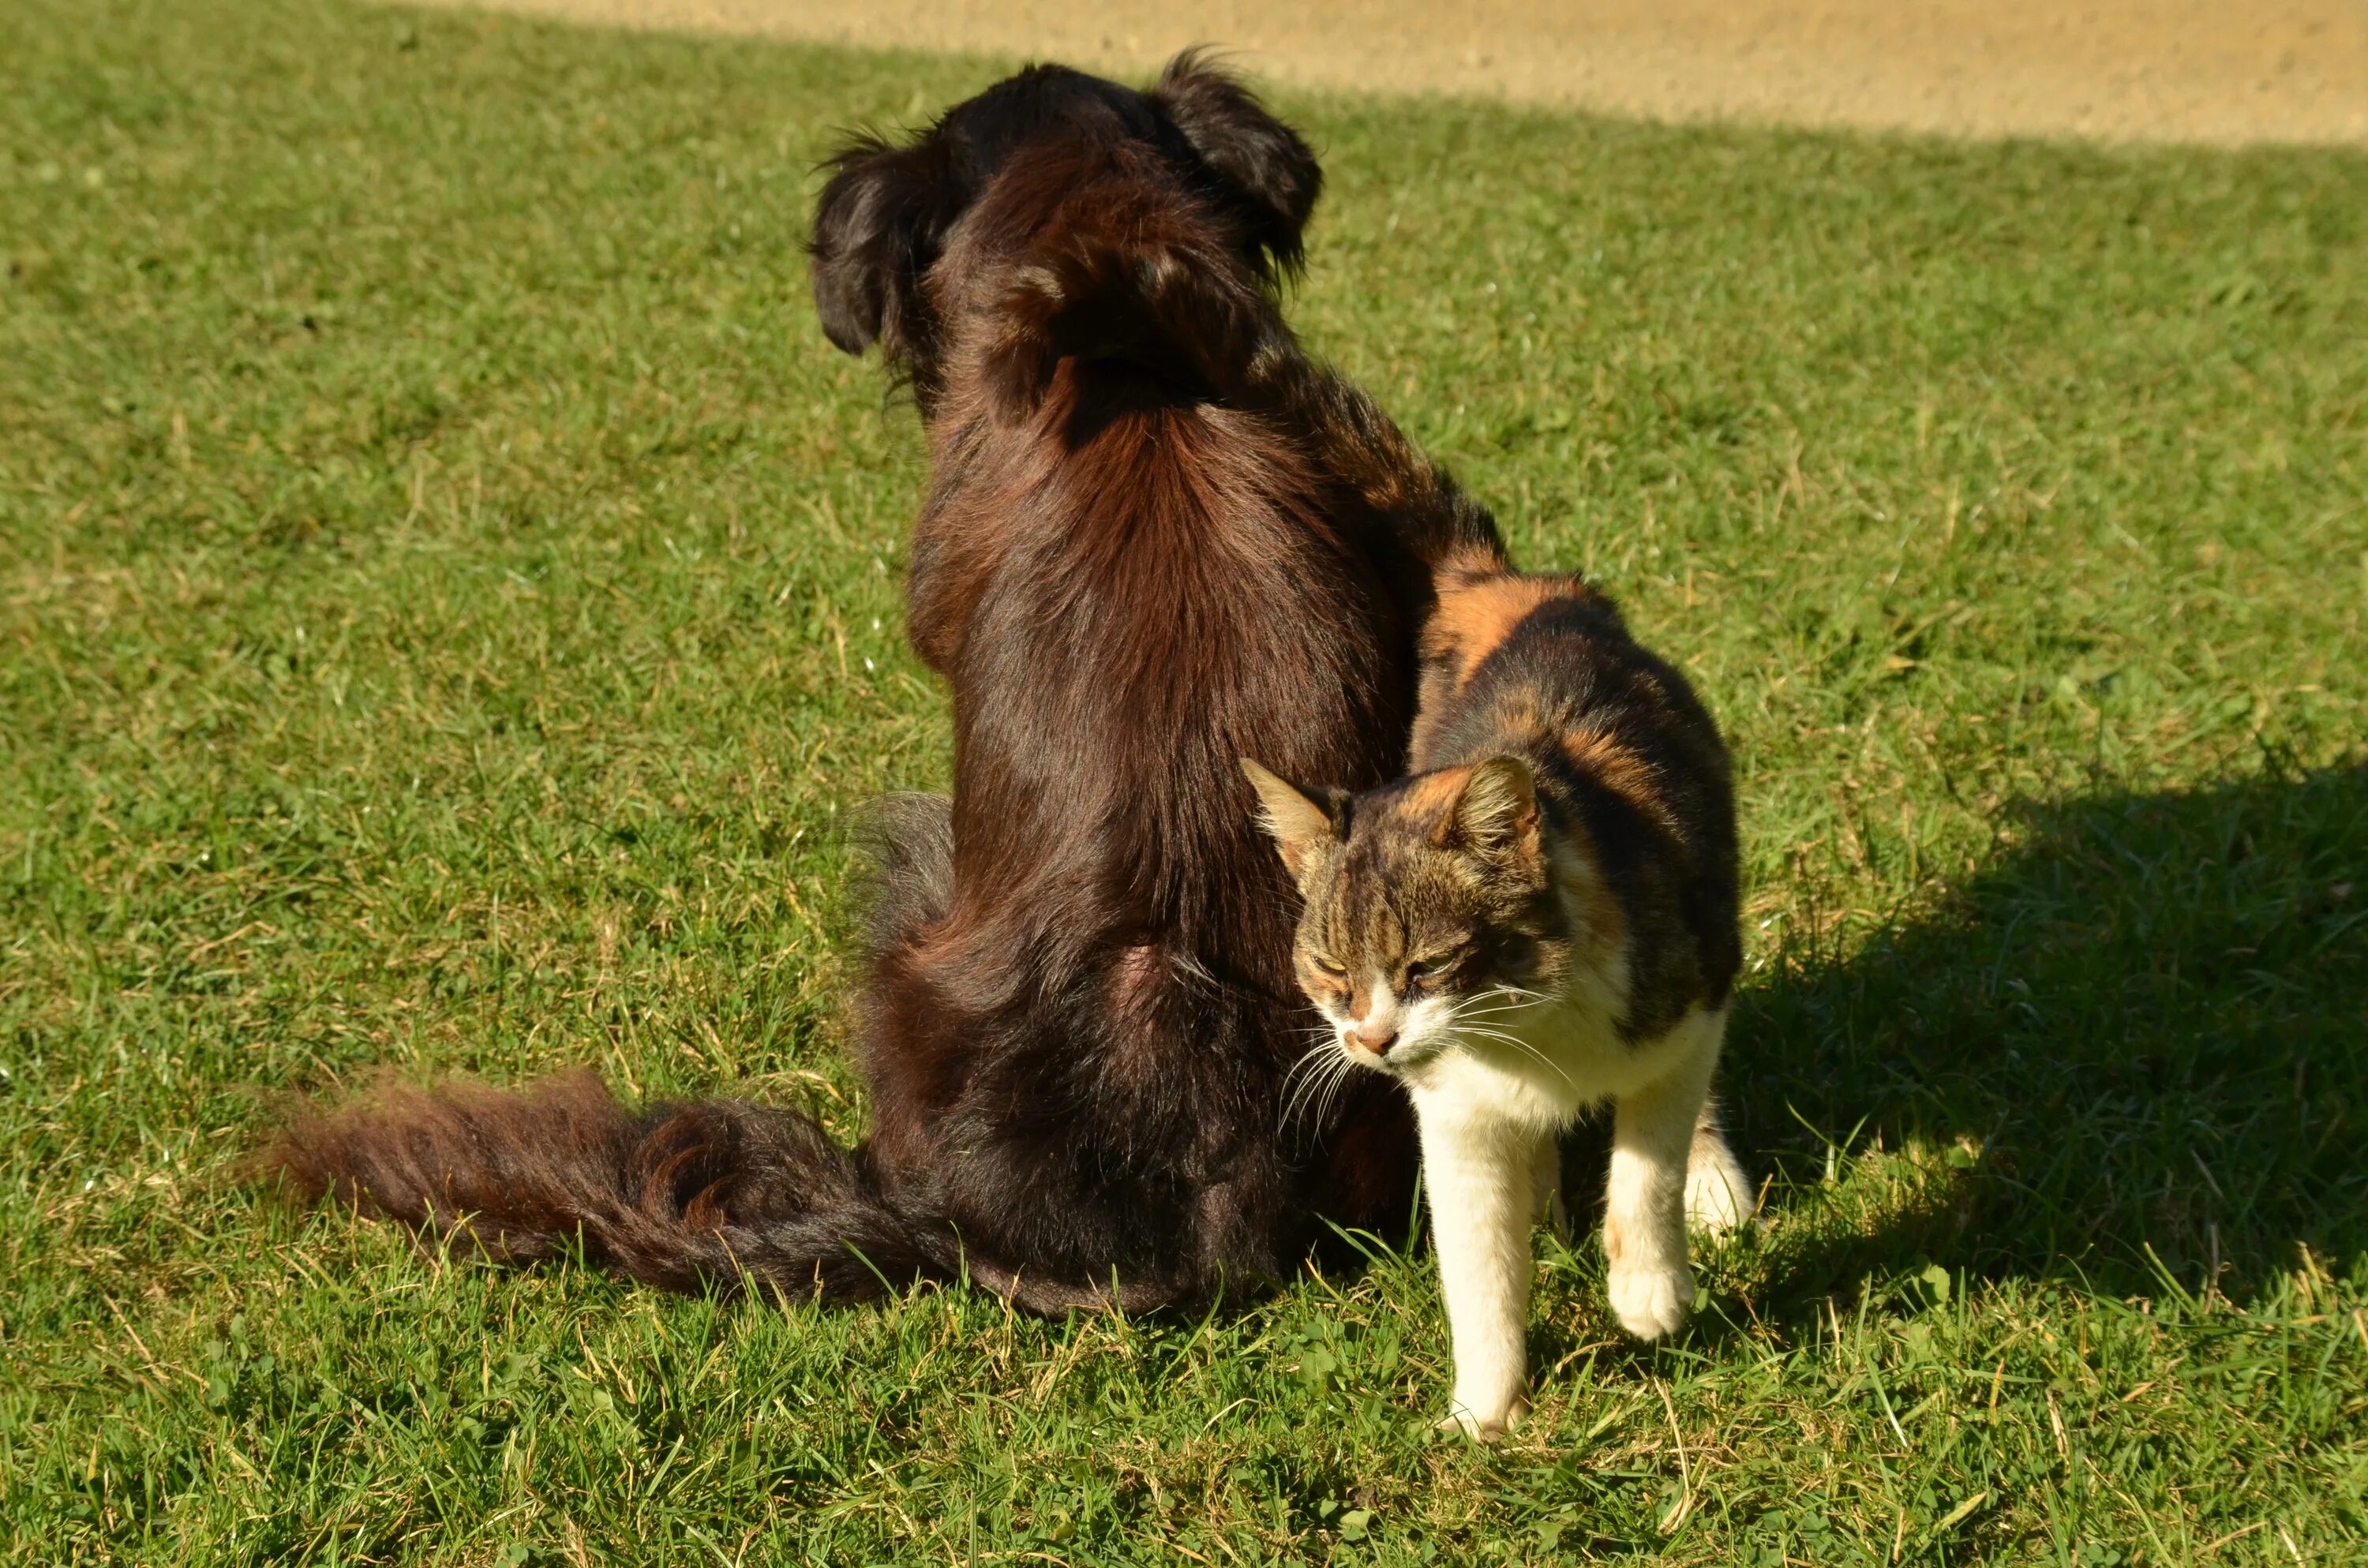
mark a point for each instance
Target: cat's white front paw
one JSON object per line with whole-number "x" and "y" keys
{"x": 1490, "y": 1420}
{"x": 1650, "y": 1302}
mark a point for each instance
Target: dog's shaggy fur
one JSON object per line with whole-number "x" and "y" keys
{"x": 1157, "y": 537}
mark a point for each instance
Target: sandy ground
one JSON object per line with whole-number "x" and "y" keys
{"x": 2204, "y": 71}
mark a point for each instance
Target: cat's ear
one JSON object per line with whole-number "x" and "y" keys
{"x": 1496, "y": 814}
{"x": 1302, "y": 825}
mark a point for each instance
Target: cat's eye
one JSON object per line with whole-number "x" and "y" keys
{"x": 1328, "y": 967}
{"x": 1432, "y": 970}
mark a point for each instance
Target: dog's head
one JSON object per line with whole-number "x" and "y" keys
{"x": 887, "y": 212}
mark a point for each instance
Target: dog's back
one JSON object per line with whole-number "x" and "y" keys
{"x": 1149, "y": 542}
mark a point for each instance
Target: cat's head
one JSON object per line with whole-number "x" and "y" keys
{"x": 1432, "y": 902}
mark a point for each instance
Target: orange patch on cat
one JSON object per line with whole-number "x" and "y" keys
{"x": 1435, "y": 794}
{"x": 1467, "y": 561}
{"x": 1473, "y": 619}
{"x": 1615, "y": 1238}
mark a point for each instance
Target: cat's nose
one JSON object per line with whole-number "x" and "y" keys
{"x": 1376, "y": 1038}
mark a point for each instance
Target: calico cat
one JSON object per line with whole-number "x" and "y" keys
{"x": 1539, "y": 918}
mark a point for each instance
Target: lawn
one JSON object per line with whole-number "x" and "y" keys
{"x": 450, "y": 597}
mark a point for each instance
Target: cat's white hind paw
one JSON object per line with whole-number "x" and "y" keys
{"x": 1650, "y": 1302}
{"x": 1483, "y": 1427}
{"x": 1718, "y": 1198}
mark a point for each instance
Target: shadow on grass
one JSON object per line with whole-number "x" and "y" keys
{"x": 2129, "y": 1049}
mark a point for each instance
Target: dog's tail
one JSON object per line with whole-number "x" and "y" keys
{"x": 717, "y": 1195}
{"x": 1131, "y": 279}
{"x": 683, "y": 1196}
{"x": 686, "y": 1197}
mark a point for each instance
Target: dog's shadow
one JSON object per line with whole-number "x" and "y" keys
{"x": 2126, "y": 1052}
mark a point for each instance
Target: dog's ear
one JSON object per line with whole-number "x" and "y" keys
{"x": 882, "y": 217}
{"x": 1267, "y": 167}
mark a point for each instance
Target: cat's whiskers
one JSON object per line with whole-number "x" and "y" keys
{"x": 1544, "y": 1061}
{"x": 1338, "y": 1080}
{"x": 1492, "y": 1018}
{"x": 1303, "y": 1097}
{"x": 1503, "y": 998}
{"x": 1460, "y": 1014}
{"x": 1518, "y": 1043}
{"x": 1309, "y": 1116}
{"x": 1498, "y": 999}
{"x": 1315, "y": 1090}
{"x": 1305, "y": 1074}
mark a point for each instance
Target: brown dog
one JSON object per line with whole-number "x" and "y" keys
{"x": 1157, "y": 537}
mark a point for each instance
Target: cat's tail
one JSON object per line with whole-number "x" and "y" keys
{"x": 714, "y": 1195}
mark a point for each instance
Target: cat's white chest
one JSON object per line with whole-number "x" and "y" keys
{"x": 1542, "y": 1065}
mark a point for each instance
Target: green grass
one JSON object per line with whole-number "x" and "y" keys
{"x": 448, "y": 593}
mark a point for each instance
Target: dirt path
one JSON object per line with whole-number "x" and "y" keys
{"x": 2209, "y": 71}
